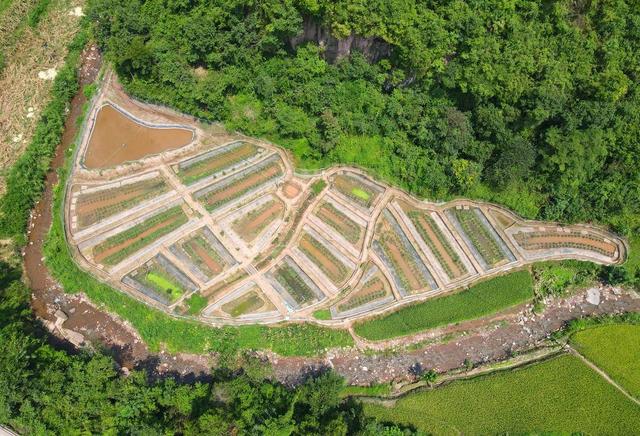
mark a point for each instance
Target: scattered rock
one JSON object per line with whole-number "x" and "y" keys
{"x": 49, "y": 74}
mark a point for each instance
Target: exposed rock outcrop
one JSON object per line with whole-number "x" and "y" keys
{"x": 372, "y": 48}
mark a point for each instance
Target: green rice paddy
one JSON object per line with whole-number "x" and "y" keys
{"x": 559, "y": 396}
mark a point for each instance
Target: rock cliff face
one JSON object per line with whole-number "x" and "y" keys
{"x": 335, "y": 49}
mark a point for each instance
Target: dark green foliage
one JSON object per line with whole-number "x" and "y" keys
{"x": 25, "y": 179}
{"x": 38, "y": 12}
{"x": 45, "y": 391}
{"x": 532, "y": 104}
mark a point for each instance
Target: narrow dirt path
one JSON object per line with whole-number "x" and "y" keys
{"x": 602, "y": 374}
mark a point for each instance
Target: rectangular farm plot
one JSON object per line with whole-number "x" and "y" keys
{"x": 251, "y": 224}
{"x": 565, "y": 239}
{"x": 118, "y": 247}
{"x": 294, "y": 285}
{"x": 485, "y": 243}
{"x": 357, "y": 189}
{"x": 335, "y": 266}
{"x": 434, "y": 238}
{"x": 96, "y": 204}
{"x": 407, "y": 269}
{"x": 203, "y": 254}
{"x": 216, "y": 161}
{"x": 341, "y": 223}
{"x": 251, "y": 302}
{"x": 372, "y": 291}
{"x": 160, "y": 280}
{"x": 253, "y": 178}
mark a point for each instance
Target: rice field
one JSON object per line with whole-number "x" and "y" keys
{"x": 616, "y": 350}
{"x": 558, "y": 396}
{"x": 481, "y": 299}
{"x": 118, "y": 247}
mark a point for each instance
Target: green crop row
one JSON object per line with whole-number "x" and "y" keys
{"x": 171, "y": 218}
{"x": 294, "y": 284}
{"x": 353, "y": 230}
{"x": 204, "y": 168}
{"x": 481, "y": 299}
{"x": 479, "y": 236}
{"x": 361, "y": 300}
{"x": 415, "y": 218}
{"x": 342, "y": 273}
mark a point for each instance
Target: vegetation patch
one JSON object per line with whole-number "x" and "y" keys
{"x": 561, "y": 395}
{"x": 356, "y": 189}
{"x": 615, "y": 349}
{"x": 195, "y": 304}
{"x": 118, "y": 247}
{"x": 481, "y": 299}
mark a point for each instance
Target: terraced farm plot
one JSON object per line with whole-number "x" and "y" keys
{"x": 484, "y": 242}
{"x": 161, "y": 280}
{"x": 215, "y": 161}
{"x": 117, "y": 138}
{"x": 296, "y": 288}
{"x": 433, "y": 236}
{"x": 234, "y": 187}
{"x": 400, "y": 257}
{"x": 212, "y": 292}
{"x": 322, "y": 256}
{"x": 250, "y": 302}
{"x": 552, "y": 239}
{"x": 372, "y": 291}
{"x": 118, "y": 247}
{"x": 341, "y": 223}
{"x": 203, "y": 254}
{"x": 357, "y": 188}
{"x": 94, "y": 206}
{"x": 253, "y": 223}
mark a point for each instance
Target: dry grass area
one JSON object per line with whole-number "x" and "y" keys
{"x": 28, "y": 52}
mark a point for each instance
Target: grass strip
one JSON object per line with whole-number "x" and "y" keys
{"x": 560, "y": 396}
{"x": 481, "y": 299}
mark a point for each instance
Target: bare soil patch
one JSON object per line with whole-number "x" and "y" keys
{"x": 291, "y": 190}
{"x": 117, "y": 138}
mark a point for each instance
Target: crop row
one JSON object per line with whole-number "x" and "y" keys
{"x": 197, "y": 248}
{"x": 329, "y": 214}
{"x": 216, "y": 163}
{"x": 323, "y": 258}
{"x": 96, "y": 206}
{"x": 140, "y": 235}
{"x": 425, "y": 225}
{"x": 226, "y": 192}
{"x": 375, "y": 290}
{"x": 572, "y": 240}
{"x": 480, "y": 236}
{"x": 289, "y": 278}
{"x": 355, "y": 189}
{"x": 253, "y": 223}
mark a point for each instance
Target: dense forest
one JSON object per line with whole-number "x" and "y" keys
{"x": 47, "y": 391}
{"x": 532, "y": 104}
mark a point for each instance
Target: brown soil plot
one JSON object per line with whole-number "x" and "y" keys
{"x": 327, "y": 263}
{"x": 291, "y": 190}
{"x": 253, "y": 223}
{"x": 237, "y": 188}
{"x": 535, "y": 241}
{"x": 211, "y": 263}
{"x": 117, "y": 139}
{"x": 456, "y": 271}
{"x": 218, "y": 162}
{"x": 351, "y": 231}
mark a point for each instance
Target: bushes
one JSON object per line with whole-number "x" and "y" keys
{"x": 25, "y": 180}
{"x": 479, "y": 300}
